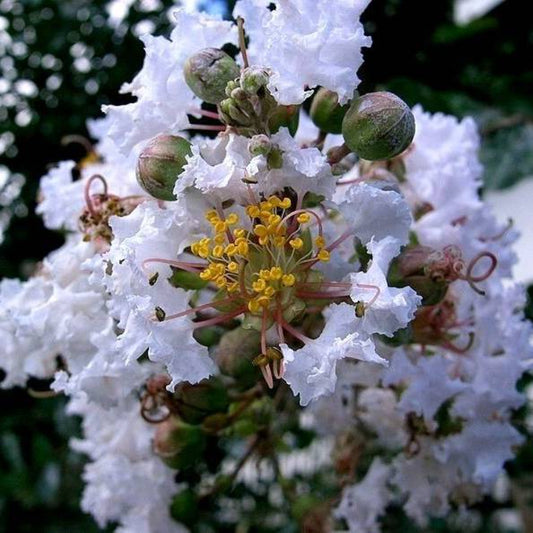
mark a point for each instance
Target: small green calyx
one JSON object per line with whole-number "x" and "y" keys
{"x": 208, "y": 72}
{"x": 326, "y": 113}
{"x": 378, "y": 126}
{"x": 161, "y": 163}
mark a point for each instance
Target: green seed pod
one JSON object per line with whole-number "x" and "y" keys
{"x": 179, "y": 444}
{"x": 196, "y": 402}
{"x": 326, "y": 113}
{"x": 160, "y": 164}
{"x": 378, "y": 126}
{"x": 235, "y": 352}
{"x": 287, "y": 116}
{"x": 208, "y": 72}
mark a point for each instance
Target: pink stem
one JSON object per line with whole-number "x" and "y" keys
{"x": 263, "y": 332}
{"x": 189, "y": 267}
{"x": 204, "y": 113}
{"x": 219, "y": 319}
{"x": 294, "y": 332}
{"x": 297, "y": 212}
{"x": 206, "y": 127}
{"x": 322, "y": 295}
{"x": 372, "y": 287}
{"x": 201, "y": 308}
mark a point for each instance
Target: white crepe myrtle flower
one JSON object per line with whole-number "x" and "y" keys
{"x": 163, "y": 98}
{"x": 306, "y": 44}
{"x": 311, "y": 371}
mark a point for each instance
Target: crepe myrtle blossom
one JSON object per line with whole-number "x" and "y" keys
{"x": 229, "y": 256}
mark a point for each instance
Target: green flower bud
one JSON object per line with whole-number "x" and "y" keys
{"x": 184, "y": 507}
{"x": 287, "y": 116}
{"x": 235, "y": 352}
{"x": 378, "y": 126}
{"x": 208, "y": 72}
{"x": 253, "y": 79}
{"x": 260, "y": 145}
{"x": 195, "y": 402}
{"x": 326, "y": 113}
{"x": 178, "y": 444}
{"x": 160, "y": 164}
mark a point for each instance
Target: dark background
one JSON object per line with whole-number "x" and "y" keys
{"x": 483, "y": 69}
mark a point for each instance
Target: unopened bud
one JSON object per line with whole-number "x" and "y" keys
{"x": 284, "y": 116}
{"x": 259, "y": 145}
{"x": 178, "y": 444}
{"x": 160, "y": 164}
{"x": 195, "y": 402}
{"x": 378, "y": 126}
{"x": 326, "y": 113}
{"x": 235, "y": 352}
{"x": 253, "y": 79}
{"x": 208, "y": 72}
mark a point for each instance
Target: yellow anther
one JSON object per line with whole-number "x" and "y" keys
{"x": 220, "y": 282}
{"x": 263, "y": 241}
{"x": 263, "y": 301}
{"x": 239, "y": 233}
{"x": 265, "y": 215}
{"x": 221, "y": 226}
{"x": 264, "y": 274}
{"x": 253, "y": 211}
{"x": 288, "y": 280}
{"x": 218, "y": 268}
{"x": 320, "y": 241}
{"x": 218, "y": 251}
{"x": 269, "y": 291}
{"x": 276, "y": 273}
{"x": 260, "y": 230}
{"x": 220, "y": 238}
{"x": 238, "y": 240}
{"x": 272, "y": 229}
{"x": 274, "y": 219}
{"x": 323, "y": 255}
{"x": 233, "y": 266}
{"x": 296, "y": 243}
{"x": 231, "y": 249}
{"x": 205, "y": 274}
{"x": 195, "y": 246}
{"x": 203, "y": 252}
{"x": 259, "y": 285}
{"x": 279, "y": 241}
{"x": 274, "y": 201}
{"x": 302, "y": 218}
{"x": 232, "y": 287}
{"x": 285, "y": 203}
{"x": 232, "y": 218}
{"x": 265, "y": 206}
{"x": 211, "y": 216}
{"x": 253, "y": 306}
{"x": 243, "y": 248}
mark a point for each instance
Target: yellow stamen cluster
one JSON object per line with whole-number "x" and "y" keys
{"x": 262, "y": 261}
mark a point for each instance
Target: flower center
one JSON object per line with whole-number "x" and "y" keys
{"x": 263, "y": 261}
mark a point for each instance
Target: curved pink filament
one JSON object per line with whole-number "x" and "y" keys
{"x": 88, "y": 199}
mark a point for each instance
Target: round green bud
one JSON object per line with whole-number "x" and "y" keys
{"x": 194, "y": 402}
{"x": 260, "y": 145}
{"x": 253, "y": 79}
{"x": 378, "y": 126}
{"x": 178, "y": 444}
{"x": 326, "y": 113}
{"x": 208, "y": 72}
{"x": 184, "y": 507}
{"x": 161, "y": 163}
{"x": 287, "y": 116}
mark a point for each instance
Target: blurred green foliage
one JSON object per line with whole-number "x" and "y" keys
{"x": 482, "y": 69}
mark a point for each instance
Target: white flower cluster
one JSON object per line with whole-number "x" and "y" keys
{"x": 280, "y": 239}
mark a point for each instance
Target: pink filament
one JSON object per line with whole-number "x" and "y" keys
{"x": 219, "y": 319}
{"x": 87, "y": 191}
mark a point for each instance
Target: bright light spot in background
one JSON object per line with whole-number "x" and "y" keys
{"x": 515, "y": 203}
{"x": 466, "y": 11}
